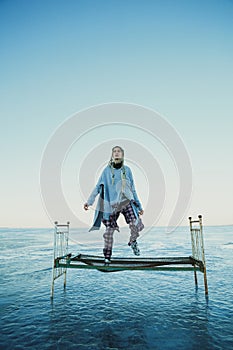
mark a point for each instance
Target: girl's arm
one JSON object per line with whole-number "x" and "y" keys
{"x": 96, "y": 190}
{"x": 138, "y": 203}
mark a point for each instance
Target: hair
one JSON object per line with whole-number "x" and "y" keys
{"x": 123, "y": 168}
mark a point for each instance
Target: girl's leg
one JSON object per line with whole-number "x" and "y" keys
{"x": 134, "y": 232}
{"x": 130, "y": 218}
{"x": 108, "y": 242}
{"x": 134, "y": 229}
{"x": 111, "y": 226}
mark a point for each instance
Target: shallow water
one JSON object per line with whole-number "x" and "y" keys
{"x": 122, "y": 310}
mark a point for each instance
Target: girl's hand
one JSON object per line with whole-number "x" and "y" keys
{"x": 86, "y": 206}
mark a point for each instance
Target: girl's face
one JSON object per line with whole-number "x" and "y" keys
{"x": 117, "y": 153}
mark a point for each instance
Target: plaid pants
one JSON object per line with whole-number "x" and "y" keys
{"x": 111, "y": 226}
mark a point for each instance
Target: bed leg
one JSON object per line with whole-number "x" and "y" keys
{"x": 205, "y": 281}
{"x": 195, "y": 277}
{"x": 65, "y": 279}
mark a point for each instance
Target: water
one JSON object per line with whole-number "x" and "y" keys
{"x": 122, "y": 310}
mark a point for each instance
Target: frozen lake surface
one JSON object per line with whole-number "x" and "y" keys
{"x": 135, "y": 310}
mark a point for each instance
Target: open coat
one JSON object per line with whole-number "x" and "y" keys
{"x": 112, "y": 192}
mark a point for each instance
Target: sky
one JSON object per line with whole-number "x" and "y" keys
{"x": 60, "y": 57}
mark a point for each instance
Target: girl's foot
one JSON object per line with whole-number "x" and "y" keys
{"x": 135, "y": 248}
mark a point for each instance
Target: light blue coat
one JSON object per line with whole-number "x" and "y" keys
{"x": 111, "y": 193}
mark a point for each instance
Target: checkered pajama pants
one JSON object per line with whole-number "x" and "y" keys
{"x": 111, "y": 226}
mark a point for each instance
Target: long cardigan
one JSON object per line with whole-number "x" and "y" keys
{"x": 111, "y": 193}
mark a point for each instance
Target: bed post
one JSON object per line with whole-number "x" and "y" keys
{"x": 60, "y": 250}
{"x": 203, "y": 254}
{"x": 198, "y": 251}
{"x": 193, "y": 249}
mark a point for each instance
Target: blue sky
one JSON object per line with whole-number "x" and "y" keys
{"x": 58, "y": 57}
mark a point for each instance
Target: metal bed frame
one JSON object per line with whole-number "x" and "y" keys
{"x": 63, "y": 260}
